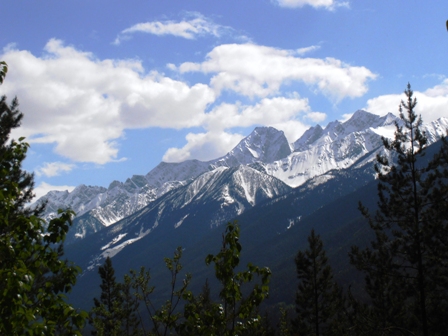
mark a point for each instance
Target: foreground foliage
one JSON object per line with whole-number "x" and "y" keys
{"x": 33, "y": 278}
{"x": 319, "y": 301}
{"x": 233, "y": 314}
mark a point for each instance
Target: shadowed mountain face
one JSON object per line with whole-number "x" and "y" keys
{"x": 214, "y": 197}
{"x": 275, "y": 220}
{"x": 274, "y": 225}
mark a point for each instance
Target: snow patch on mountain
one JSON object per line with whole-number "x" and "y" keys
{"x": 337, "y": 146}
{"x": 239, "y": 179}
{"x": 264, "y": 144}
{"x": 114, "y": 241}
{"x": 179, "y": 223}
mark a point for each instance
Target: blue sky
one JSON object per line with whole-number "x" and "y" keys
{"x": 111, "y": 88}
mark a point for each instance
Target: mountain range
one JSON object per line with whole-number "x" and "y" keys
{"x": 276, "y": 190}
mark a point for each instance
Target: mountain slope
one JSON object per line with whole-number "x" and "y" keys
{"x": 204, "y": 203}
{"x": 316, "y": 152}
{"x": 187, "y": 217}
{"x": 340, "y": 145}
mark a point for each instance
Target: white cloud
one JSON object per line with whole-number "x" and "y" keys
{"x": 82, "y": 104}
{"x": 267, "y": 112}
{"x": 50, "y": 169}
{"x": 203, "y": 146}
{"x": 316, "y": 116}
{"x": 431, "y": 104}
{"x": 43, "y": 188}
{"x": 327, "y": 4}
{"x": 254, "y": 70}
{"x": 345, "y": 117}
{"x": 293, "y": 129}
{"x": 306, "y": 50}
{"x": 197, "y": 26}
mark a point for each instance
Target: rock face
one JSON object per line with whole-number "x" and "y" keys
{"x": 340, "y": 145}
{"x": 258, "y": 164}
{"x": 264, "y": 144}
{"x": 202, "y": 204}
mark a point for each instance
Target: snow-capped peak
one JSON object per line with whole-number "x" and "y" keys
{"x": 264, "y": 144}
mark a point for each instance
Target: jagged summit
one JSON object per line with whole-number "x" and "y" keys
{"x": 358, "y": 122}
{"x": 338, "y": 146}
{"x": 215, "y": 196}
{"x": 264, "y": 144}
{"x": 308, "y": 138}
{"x": 361, "y": 120}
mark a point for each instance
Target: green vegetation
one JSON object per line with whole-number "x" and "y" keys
{"x": 33, "y": 278}
{"x": 233, "y": 314}
{"x": 115, "y": 312}
{"x": 405, "y": 267}
{"x": 319, "y": 302}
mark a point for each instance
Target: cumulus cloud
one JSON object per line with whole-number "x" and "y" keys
{"x": 82, "y": 104}
{"x": 267, "y": 112}
{"x": 203, "y": 146}
{"x": 431, "y": 104}
{"x": 327, "y": 4}
{"x": 316, "y": 116}
{"x": 50, "y": 169}
{"x": 197, "y": 26}
{"x": 254, "y": 70}
{"x": 43, "y": 188}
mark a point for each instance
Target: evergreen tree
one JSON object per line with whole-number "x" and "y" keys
{"x": 129, "y": 309}
{"x": 105, "y": 315}
{"x": 235, "y": 314}
{"x": 33, "y": 278}
{"x": 405, "y": 267}
{"x": 319, "y": 303}
{"x": 11, "y": 162}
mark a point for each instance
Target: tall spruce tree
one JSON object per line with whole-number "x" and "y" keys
{"x": 105, "y": 315}
{"x": 130, "y": 324}
{"x": 405, "y": 266}
{"x": 319, "y": 302}
{"x": 33, "y": 278}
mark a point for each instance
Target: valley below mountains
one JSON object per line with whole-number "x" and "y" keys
{"x": 277, "y": 192}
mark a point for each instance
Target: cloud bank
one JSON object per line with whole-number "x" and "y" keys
{"x": 83, "y": 104}
{"x": 258, "y": 71}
